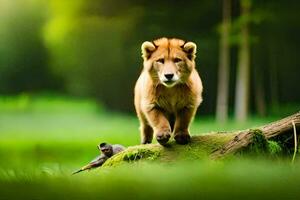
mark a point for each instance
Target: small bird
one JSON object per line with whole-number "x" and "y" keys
{"x": 107, "y": 151}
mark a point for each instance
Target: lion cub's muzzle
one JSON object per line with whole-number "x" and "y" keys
{"x": 169, "y": 79}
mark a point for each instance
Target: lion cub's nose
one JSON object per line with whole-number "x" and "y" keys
{"x": 169, "y": 76}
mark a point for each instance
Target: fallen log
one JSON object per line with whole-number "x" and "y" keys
{"x": 272, "y": 130}
{"x": 213, "y": 145}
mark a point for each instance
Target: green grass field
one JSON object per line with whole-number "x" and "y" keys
{"x": 44, "y": 139}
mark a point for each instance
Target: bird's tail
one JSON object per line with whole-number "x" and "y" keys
{"x": 76, "y": 172}
{"x": 82, "y": 169}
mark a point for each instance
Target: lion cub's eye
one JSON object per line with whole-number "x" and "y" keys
{"x": 177, "y": 60}
{"x": 161, "y": 60}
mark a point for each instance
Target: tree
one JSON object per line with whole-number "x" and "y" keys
{"x": 243, "y": 71}
{"x": 224, "y": 62}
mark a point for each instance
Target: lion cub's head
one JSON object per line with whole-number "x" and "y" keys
{"x": 169, "y": 61}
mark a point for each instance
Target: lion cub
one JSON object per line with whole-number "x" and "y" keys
{"x": 168, "y": 91}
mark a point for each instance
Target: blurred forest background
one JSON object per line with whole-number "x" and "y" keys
{"x": 248, "y": 50}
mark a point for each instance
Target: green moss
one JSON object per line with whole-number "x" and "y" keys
{"x": 274, "y": 148}
{"x": 286, "y": 143}
{"x": 201, "y": 147}
{"x": 140, "y": 152}
{"x": 261, "y": 146}
{"x": 259, "y": 141}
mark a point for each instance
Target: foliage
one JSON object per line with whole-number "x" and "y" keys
{"x": 23, "y": 60}
{"x": 82, "y": 47}
{"x": 88, "y": 50}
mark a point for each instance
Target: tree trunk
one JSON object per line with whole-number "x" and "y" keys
{"x": 243, "y": 74}
{"x": 259, "y": 92}
{"x": 273, "y": 70}
{"x": 224, "y": 62}
{"x": 213, "y": 145}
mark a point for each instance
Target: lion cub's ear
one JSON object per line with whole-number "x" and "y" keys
{"x": 147, "y": 49}
{"x": 190, "y": 48}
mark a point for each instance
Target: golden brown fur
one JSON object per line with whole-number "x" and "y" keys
{"x": 168, "y": 91}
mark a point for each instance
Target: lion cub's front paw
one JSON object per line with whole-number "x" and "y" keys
{"x": 163, "y": 137}
{"x": 182, "y": 138}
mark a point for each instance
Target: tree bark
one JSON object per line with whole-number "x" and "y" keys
{"x": 243, "y": 74}
{"x": 224, "y": 62}
{"x": 244, "y": 138}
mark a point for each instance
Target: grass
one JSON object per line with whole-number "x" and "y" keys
{"x": 43, "y": 139}
{"x": 247, "y": 179}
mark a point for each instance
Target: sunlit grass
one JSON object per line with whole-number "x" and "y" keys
{"x": 62, "y": 129}
{"x": 56, "y": 118}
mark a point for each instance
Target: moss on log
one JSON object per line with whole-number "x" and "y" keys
{"x": 271, "y": 138}
{"x": 199, "y": 147}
